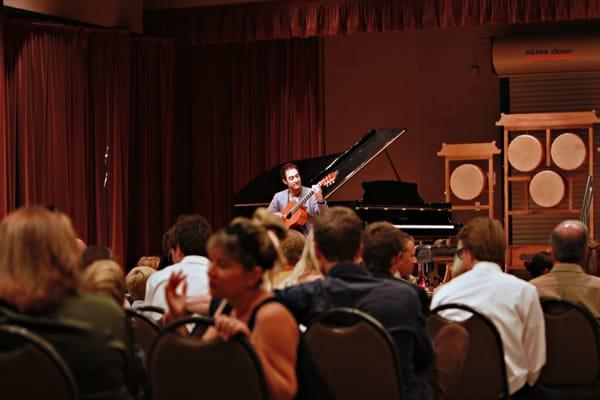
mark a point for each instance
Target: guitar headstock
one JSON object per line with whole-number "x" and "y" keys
{"x": 329, "y": 179}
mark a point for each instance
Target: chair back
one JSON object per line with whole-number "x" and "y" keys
{"x": 30, "y": 367}
{"x": 183, "y": 367}
{"x": 483, "y": 374}
{"x": 572, "y": 345}
{"x": 155, "y": 313}
{"x": 143, "y": 328}
{"x": 354, "y": 355}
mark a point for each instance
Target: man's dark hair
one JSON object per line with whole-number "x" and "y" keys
{"x": 285, "y": 167}
{"x": 539, "y": 263}
{"x": 95, "y": 253}
{"x": 484, "y": 238}
{"x": 381, "y": 241}
{"x": 191, "y": 234}
{"x": 569, "y": 242}
{"x": 338, "y": 233}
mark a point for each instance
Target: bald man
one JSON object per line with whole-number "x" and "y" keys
{"x": 567, "y": 280}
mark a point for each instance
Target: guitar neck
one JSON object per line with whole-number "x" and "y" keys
{"x": 302, "y": 200}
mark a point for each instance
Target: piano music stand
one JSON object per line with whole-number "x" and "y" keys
{"x": 470, "y": 152}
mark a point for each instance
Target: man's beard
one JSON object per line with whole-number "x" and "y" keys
{"x": 458, "y": 266}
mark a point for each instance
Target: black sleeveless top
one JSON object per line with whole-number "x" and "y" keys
{"x": 310, "y": 384}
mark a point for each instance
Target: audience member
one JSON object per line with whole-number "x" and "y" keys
{"x": 239, "y": 256}
{"x": 307, "y": 268}
{"x": 387, "y": 250}
{"x": 94, "y": 253}
{"x": 337, "y": 236}
{"x": 106, "y": 278}
{"x": 149, "y": 261}
{"x": 509, "y": 302}
{"x": 189, "y": 238}
{"x": 277, "y": 232}
{"x": 540, "y": 264}
{"x": 567, "y": 280}
{"x": 39, "y": 275}
{"x": 291, "y": 248}
{"x": 135, "y": 282}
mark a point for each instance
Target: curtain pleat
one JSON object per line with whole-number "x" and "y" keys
{"x": 244, "y": 108}
{"x": 302, "y": 19}
{"x": 69, "y": 105}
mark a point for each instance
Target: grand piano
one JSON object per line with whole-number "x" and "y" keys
{"x": 394, "y": 201}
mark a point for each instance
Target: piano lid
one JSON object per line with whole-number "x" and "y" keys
{"x": 260, "y": 190}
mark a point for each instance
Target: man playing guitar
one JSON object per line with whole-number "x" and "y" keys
{"x": 294, "y": 192}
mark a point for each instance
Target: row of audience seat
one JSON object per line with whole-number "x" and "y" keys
{"x": 353, "y": 354}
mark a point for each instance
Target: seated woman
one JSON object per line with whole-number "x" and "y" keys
{"x": 39, "y": 277}
{"x": 239, "y": 256}
{"x": 105, "y": 278}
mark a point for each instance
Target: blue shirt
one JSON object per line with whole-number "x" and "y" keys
{"x": 282, "y": 198}
{"x": 394, "y": 305}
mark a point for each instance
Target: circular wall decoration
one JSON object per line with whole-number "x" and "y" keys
{"x": 568, "y": 151}
{"x": 547, "y": 189}
{"x": 467, "y": 182}
{"x": 525, "y": 153}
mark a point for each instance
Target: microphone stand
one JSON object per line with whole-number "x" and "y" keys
{"x": 105, "y": 196}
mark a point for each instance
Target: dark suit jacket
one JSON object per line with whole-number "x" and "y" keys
{"x": 395, "y": 305}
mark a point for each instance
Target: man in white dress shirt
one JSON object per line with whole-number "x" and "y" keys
{"x": 189, "y": 255}
{"x": 509, "y": 302}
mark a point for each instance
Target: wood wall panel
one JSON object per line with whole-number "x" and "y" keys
{"x": 554, "y": 93}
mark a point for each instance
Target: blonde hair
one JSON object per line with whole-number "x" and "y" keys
{"x": 149, "y": 261}
{"x": 307, "y": 266}
{"x": 38, "y": 259}
{"x": 105, "y": 277}
{"x": 135, "y": 281}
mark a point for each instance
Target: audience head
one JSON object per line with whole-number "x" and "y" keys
{"x": 481, "y": 239}
{"x": 387, "y": 249}
{"x": 95, "y": 253}
{"x": 190, "y": 235}
{"x": 135, "y": 281}
{"x": 149, "y": 261}
{"x": 38, "y": 259}
{"x": 540, "y": 264}
{"x": 569, "y": 241}
{"x": 293, "y": 246}
{"x": 307, "y": 268}
{"x": 239, "y": 255}
{"x": 337, "y": 233}
{"x": 105, "y": 278}
{"x": 271, "y": 222}
{"x": 284, "y": 168}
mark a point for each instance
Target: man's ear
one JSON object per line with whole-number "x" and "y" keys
{"x": 359, "y": 253}
{"x": 177, "y": 255}
{"x": 284, "y": 182}
{"x": 394, "y": 261}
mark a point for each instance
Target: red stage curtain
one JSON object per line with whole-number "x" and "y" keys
{"x": 7, "y": 156}
{"x": 288, "y": 19}
{"x": 72, "y": 94}
{"x": 240, "y": 109}
{"x": 151, "y": 202}
{"x": 67, "y": 99}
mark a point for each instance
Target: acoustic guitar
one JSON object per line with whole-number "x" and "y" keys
{"x": 294, "y": 214}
